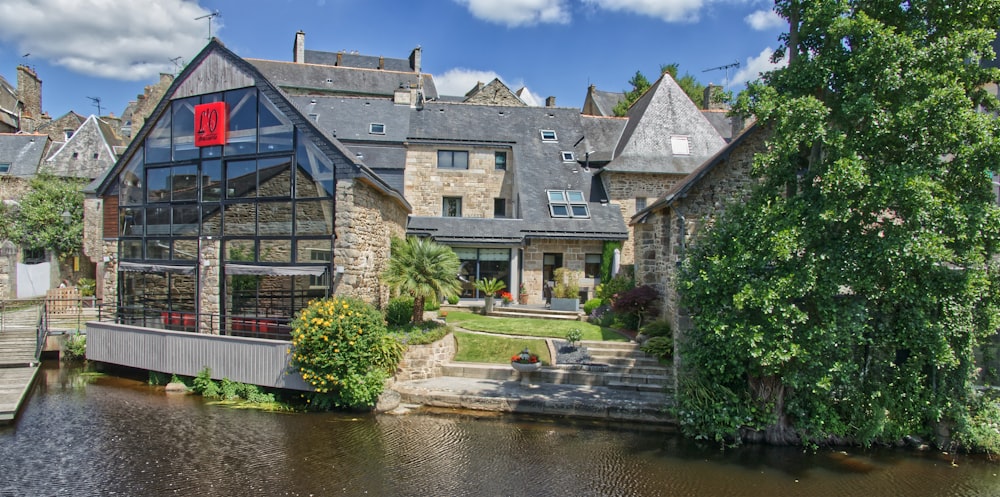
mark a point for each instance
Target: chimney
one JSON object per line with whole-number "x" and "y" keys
{"x": 550, "y": 101}
{"x": 415, "y": 59}
{"x": 299, "y": 47}
{"x": 738, "y": 124}
{"x": 711, "y": 91}
{"x": 340, "y": 58}
{"x": 381, "y": 62}
{"x": 29, "y": 91}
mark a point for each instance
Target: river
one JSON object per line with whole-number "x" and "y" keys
{"x": 113, "y": 436}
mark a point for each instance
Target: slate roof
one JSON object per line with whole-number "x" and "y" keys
{"x": 299, "y": 78}
{"x": 75, "y": 157}
{"x": 348, "y": 118}
{"x": 663, "y": 111}
{"x": 721, "y": 121}
{"x": 358, "y": 61}
{"x": 601, "y": 103}
{"x": 24, "y": 152}
{"x": 603, "y": 134}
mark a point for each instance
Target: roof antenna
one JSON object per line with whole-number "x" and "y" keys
{"x": 726, "y": 67}
{"x": 97, "y": 103}
{"x": 177, "y": 65}
{"x": 209, "y": 17}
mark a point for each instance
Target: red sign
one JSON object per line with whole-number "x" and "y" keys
{"x": 210, "y": 124}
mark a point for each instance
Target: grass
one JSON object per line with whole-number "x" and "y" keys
{"x": 477, "y": 347}
{"x": 545, "y": 328}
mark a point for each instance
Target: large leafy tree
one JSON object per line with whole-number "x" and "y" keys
{"x": 639, "y": 83}
{"x": 36, "y": 221}
{"x": 845, "y": 299}
{"x": 422, "y": 269}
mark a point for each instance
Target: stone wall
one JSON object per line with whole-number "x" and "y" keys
{"x": 56, "y": 129}
{"x": 146, "y": 103}
{"x": 425, "y": 184}
{"x": 366, "y": 222}
{"x": 29, "y": 90}
{"x": 574, "y": 254}
{"x": 624, "y": 188}
{"x": 424, "y": 361}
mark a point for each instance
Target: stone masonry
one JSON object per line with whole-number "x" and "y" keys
{"x": 424, "y": 361}
{"x": 477, "y": 186}
{"x": 574, "y": 254}
{"x": 624, "y": 188}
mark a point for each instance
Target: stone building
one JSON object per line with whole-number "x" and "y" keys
{"x": 231, "y": 209}
{"x": 666, "y": 229}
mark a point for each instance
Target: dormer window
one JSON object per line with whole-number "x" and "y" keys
{"x": 680, "y": 145}
{"x": 567, "y": 203}
{"x": 548, "y": 135}
{"x": 68, "y": 133}
{"x": 568, "y": 157}
{"x": 376, "y": 128}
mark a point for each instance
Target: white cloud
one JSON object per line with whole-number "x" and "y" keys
{"x": 457, "y": 82}
{"x": 667, "y": 10}
{"x": 118, "y": 40}
{"x": 515, "y": 13}
{"x": 763, "y": 20}
{"x": 755, "y": 66}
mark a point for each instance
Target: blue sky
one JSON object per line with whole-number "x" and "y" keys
{"x": 111, "y": 49}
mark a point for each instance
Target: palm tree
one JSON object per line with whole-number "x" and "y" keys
{"x": 424, "y": 269}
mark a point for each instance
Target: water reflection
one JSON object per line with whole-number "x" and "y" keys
{"x": 113, "y": 436}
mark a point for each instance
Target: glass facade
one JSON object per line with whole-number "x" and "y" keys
{"x": 482, "y": 263}
{"x": 267, "y": 194}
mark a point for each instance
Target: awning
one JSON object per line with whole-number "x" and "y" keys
{"x": 275, "y": 270}
{"x": 142, "y": 267}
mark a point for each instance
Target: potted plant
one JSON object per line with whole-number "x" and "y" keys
{"x": 525, "y": 363}
{"x": 522, "y": 295}
{"x": 566, "y": 294}
{"x": 489, "y": 287}
{"x": 506, "y": 298}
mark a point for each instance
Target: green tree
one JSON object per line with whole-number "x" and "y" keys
{"x": 639, "y": 86}
{"x": 845, "y": 299}
{"x": 422, "y": 269}
{"x": 695, "y": 90}
{"x": 36, "y": 223}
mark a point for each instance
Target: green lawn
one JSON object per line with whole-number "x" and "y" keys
{"x": 477, "y": 347}
{"x": 546, "y": 328}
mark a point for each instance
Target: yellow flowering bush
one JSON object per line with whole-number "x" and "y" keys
{"x": 341, "y": 348}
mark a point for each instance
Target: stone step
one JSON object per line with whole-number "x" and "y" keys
{"x": 593, "y": 345}
{"x": 535, "y": 315}
{"x": 558, "y": 375}
{"x": 649, "y": 362}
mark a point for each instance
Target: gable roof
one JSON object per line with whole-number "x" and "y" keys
{"x": 86, "y": 154}
{"x": 603, "y": 133}
{"x": 493, "y": 93}
{"x": 601, "y": 103}
{"x": 297, "y": 78}
{"x": 23, "y": 152}
{"x": 209, "y": 65}
{"x": 663, "y": 111}
{"x": 355, "y": 60}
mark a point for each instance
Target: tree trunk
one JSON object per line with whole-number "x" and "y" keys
{"x": 768, "y": 390}
{"x": 418, "y": 309}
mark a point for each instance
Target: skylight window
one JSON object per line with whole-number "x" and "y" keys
{"x": 568, "y": 157}
{"x": 376, "y": 128}
{"x": 567, "y": 203}
{"x": 680, "y": 145}
{"x": 548, "y": 135}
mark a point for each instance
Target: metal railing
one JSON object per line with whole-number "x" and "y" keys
{"x": 263, "y": 325}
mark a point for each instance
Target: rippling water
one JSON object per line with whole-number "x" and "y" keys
{"x": 115, "y": 436}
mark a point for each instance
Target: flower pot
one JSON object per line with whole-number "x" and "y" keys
{"x": 489, "y": 305}
{"x": 522, "y": 299}
{"x": 526, "y": 367}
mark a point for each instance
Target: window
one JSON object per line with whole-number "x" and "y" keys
{"x": 376, "y": 128}
{"x": 680, "y": 145}
{"x": 68, "y": 133}
{"x": 323, "y": 280}
{"x": 33, "y": 256}
{"x": 76, "y": 155}
{"x": 4, "y": 167}
{"x": 592, "y": 265}
{"x": 548, "y": 135}
{"x": 453, "y": 159}
{"x": 567, "y": 203}
{"x": 568, "y": 157}
{"x": 500, "y": 161}
{"x": 96, "y": 155}
{"x": 499, "y": 207}
{"x": 640, "y": 203}
{"x": 451, "y": 207}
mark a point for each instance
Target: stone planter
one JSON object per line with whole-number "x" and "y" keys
{"x": 524, "y": 370}
{"x": 488, "y": 308}
{"x": 561, "y": 304}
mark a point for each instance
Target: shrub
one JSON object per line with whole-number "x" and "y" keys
{"x": 574, "y": 336}
{"x": 590, "y": 305}
{"x": 399, "y": 311}
{"x": 432, "y": 304}
{"x": 341, "y": 348}
{"x": 86, "y": 286}
{"x": 658, "y": 328}
{"x": 76, "y": 347}
{"x": 635, "y": 302}
{"x": 453, "y": 299}
{"x": 426, "y": 332}
{"x": 615, "y": 286}
{"x": 204, "y": 385}
{"x": 602, "y": 315}
{"x": 660, "y": 347}
{"x": 567, "y": 284}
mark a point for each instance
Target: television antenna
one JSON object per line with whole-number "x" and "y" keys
{"x": 177, "y": 65}
{"x": 726, "y": 68}
{"x": 209, "y": 17}
{"x": 97, "y": 103}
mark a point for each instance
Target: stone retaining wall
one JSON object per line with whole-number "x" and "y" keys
{"x": 424, "y": 361}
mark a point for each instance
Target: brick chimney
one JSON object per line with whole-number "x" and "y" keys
{"x": 299, "y": 47}
{"x": 415, "y": 59}
{"x": 709, "y": 102}
{"x": 29, "y": 91}
{"x": 550, "y": 101}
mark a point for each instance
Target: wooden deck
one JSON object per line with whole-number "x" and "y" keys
{"x": 18, "y": 369}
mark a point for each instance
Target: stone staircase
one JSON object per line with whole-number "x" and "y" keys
{"x": 615, "y": 365}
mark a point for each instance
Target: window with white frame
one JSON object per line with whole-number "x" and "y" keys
{"x": 376, "y": 128}
{"x": 640, "y": 203}
{"x": 568, "y": 156}
{"x": 451, "y": 207}
{"x": 548, "y": 135}
{"x": 567, "y": 203}
{"x": 453, "y": 159}
{"x": 680, "y": 145}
